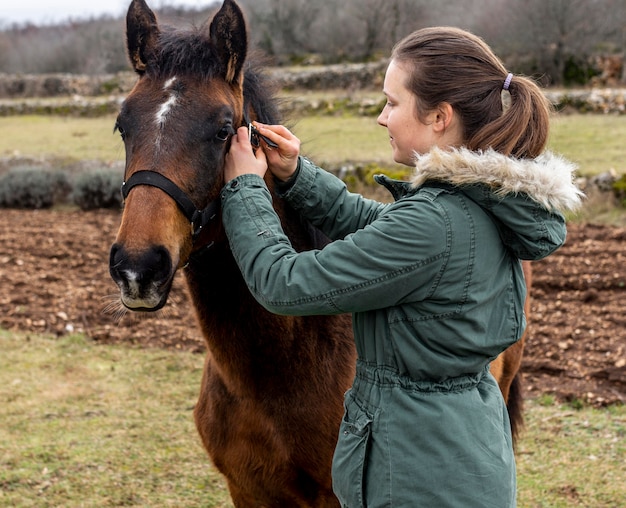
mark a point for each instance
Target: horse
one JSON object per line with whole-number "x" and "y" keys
{"x": 271, "y": 394}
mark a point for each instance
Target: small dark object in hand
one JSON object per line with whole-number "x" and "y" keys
{"x": 254, "y": 135}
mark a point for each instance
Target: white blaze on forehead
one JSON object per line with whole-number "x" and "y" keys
{"x": 167, "y": 106}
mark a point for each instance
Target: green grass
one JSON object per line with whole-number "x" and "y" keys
{"x": 334, "y": 140}
{"x": 594, "y": 142}
{"x": 572, "y": 456}
{"x": 96, "y": 426}
{"x": 85, "y": 425}
{"x": 64, "y": 139}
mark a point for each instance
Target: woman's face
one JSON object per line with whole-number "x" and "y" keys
{"x": 407, "y": 133}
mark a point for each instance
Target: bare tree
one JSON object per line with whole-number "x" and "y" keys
{"x": 286, "y": 26}
{"x": 537, "y": 37}
{"x": 545, "y": 36}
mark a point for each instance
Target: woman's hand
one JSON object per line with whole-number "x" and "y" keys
{"x": 241, "y": 159}
{"x": 282, "y": 161}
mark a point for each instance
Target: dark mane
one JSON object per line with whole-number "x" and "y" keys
{"x": 184, "y": 51}
{"x": 259, "y": 92}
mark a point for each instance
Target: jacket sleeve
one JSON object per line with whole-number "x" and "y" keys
{"x": 324, "y": 200}
{"x": 378, "y": 266}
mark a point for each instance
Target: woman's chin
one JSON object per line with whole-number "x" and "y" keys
{"x": 400, "y": 159}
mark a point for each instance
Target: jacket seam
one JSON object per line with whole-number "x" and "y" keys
{"x": 329, "y": 295}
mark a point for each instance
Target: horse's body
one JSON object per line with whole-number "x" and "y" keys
{"x": 271, "y": 396}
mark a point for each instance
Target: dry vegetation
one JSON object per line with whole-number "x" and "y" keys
{"x": 562, "y": 42}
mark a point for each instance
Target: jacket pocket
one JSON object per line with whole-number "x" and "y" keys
{"x": 350, "y": 459}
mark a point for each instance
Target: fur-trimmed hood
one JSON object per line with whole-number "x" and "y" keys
{"x": 524, "y": 197}
{"x": 548, "y": 179}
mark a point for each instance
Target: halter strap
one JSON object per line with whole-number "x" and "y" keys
{"x": 197, "y": 218}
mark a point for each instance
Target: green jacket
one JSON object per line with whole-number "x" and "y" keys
{"x": 435, "y": 285}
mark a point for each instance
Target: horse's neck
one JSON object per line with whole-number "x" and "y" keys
{"x": 242, "y": 337}
{"x": 217, "y": 288}
{"x": 249, "y": 346}
{"x": 232, "y": 321}
{"x": 228, "y": 314}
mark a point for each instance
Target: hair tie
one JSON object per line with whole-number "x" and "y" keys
{"x": 507, "y": 81}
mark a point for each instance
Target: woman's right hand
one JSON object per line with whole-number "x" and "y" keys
{"x": 281, "y": 161}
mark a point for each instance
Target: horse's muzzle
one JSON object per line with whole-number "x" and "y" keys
{"x": 144, "y": 279}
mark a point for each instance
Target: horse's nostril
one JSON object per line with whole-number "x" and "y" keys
{"x": 116, "y": 255}
{"x": 117, "y": 259}
{"x": 151, "y": 266}
{"x": 157, "y": 263}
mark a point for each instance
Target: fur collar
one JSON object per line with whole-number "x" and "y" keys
{"x": 548, "y": 179}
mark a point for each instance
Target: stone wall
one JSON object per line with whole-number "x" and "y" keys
{"x": 344, "y": 77}
{"x": 28, "y": 86}
{"x": 93, "y": 95}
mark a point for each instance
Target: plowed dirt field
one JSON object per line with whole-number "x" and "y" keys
{"x": 54, "y": 279}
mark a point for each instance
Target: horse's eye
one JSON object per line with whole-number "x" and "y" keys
{"x": 119, "y": 129}
{"x": 224, "y": 133}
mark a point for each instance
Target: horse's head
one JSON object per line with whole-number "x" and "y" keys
{"x": 176, "y": 124}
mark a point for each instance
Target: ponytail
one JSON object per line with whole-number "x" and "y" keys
{"x": 522, "y": 130}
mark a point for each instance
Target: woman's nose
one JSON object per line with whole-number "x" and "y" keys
{"x": 382, "y": 118}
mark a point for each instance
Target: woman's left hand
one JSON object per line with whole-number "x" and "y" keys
{"x": 241, "y": 159}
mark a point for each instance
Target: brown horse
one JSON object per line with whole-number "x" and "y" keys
{"x": 270, "y": 401}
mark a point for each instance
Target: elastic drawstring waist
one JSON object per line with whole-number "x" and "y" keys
{"x": 381, "y": 376}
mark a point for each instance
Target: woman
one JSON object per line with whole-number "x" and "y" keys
{"x": 434, "y": 280}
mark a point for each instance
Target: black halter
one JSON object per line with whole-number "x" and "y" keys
{"x": 197, "y": 218}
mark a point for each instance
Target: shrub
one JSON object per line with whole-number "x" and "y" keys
{"x": 97, "y": 189}
{"x": 577, "y": 71}
{"x": 619, "y": 188}
{"x": 28, "y": 187}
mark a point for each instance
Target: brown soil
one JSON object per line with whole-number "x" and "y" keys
{"x": 54, "y": 279}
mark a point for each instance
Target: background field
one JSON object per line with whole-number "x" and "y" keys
{"x": 594, "y": 142}
{"x": 89, "y": 424}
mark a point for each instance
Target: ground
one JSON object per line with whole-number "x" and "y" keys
{"x": 54, "y": 279}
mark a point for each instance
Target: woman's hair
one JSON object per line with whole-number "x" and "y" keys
{"x": 451, "y": 65}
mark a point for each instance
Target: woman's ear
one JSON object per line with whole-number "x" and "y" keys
{"x": 443, "y": 117}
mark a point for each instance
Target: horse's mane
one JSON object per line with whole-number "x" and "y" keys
{"x": 260, "y": 91}
{"x": 184, "y": 51}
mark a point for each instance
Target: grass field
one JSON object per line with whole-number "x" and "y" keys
{"x": 63, "y": 139}
{"x": 89, "y": 426}
{"x": 594, "y": 142}
{"x": 84, "y": 425}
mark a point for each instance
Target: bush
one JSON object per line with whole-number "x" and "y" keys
{"x": 619, "y": 188}
{"x": 577, "y": 71}
{"x": 98, "y": 189}
{"x": 27, "y": 187}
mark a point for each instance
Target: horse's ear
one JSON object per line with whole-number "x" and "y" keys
{"x": 228, "y": 35}
{"x": 142, "y": 32}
